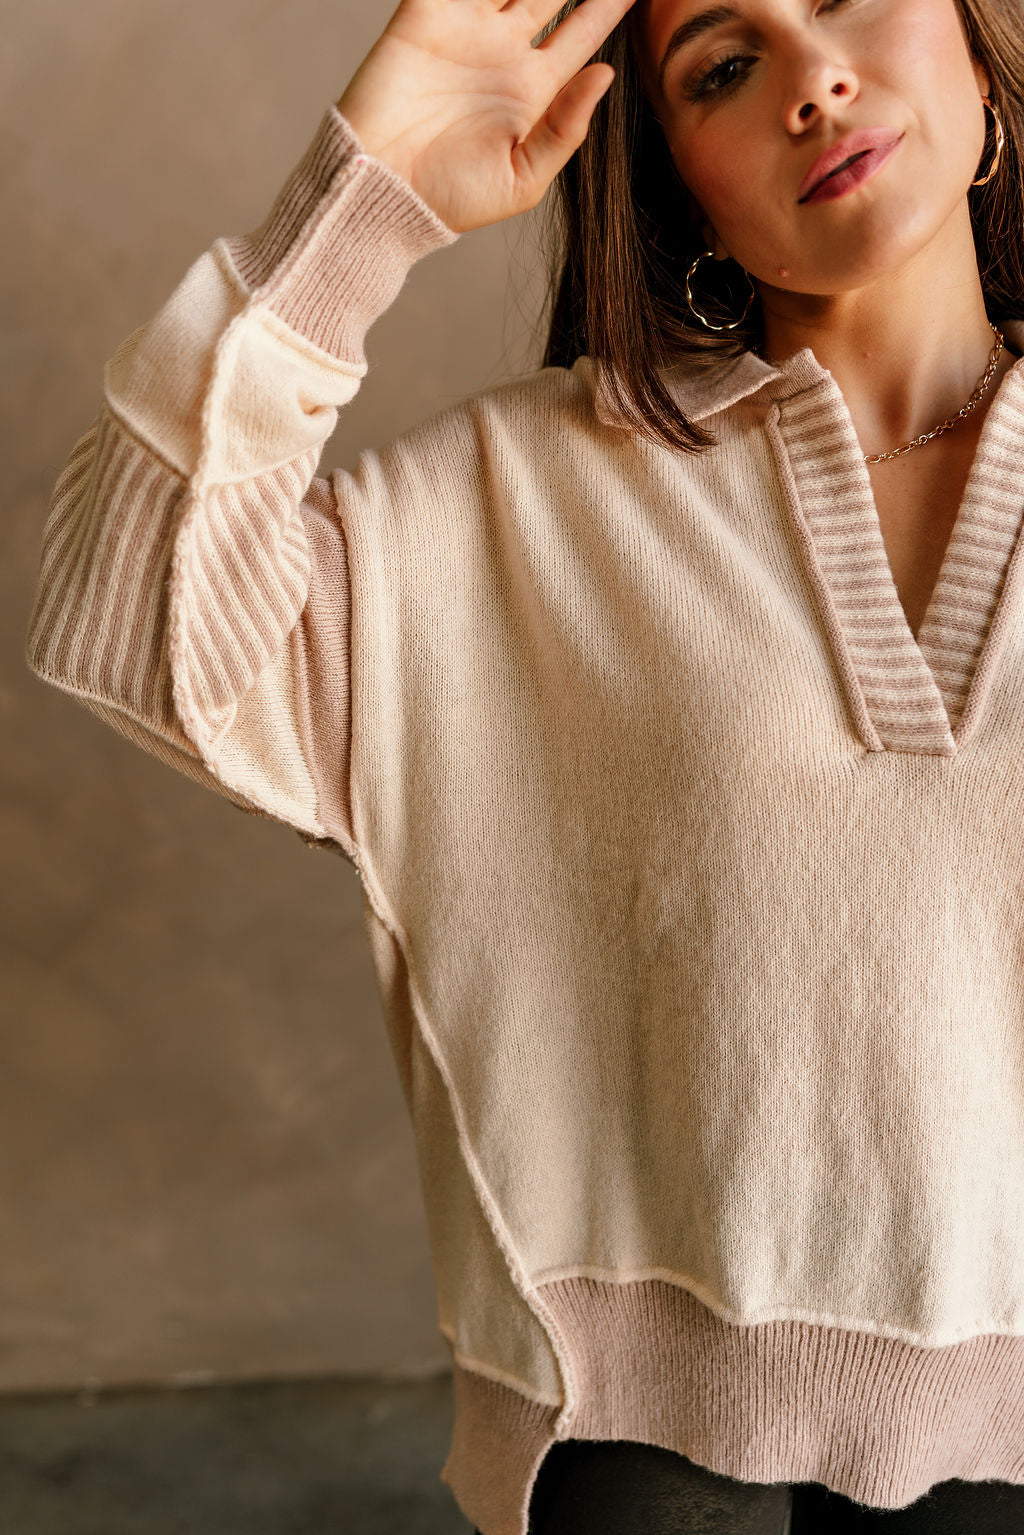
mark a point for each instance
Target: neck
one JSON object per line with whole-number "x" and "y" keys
{"x": 907, "y": 350}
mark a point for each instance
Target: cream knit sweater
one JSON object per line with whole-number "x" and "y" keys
{"x": 694, "y": 882}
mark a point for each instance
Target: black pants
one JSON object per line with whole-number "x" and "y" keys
{"x": 618, "y": 1487}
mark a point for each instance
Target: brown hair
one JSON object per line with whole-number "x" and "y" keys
{"x": 624, "y": 232}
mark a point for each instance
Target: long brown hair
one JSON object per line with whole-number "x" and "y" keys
{"x": 622, "y": 232}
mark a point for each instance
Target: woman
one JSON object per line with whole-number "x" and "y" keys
{"x": 670, "y": 704}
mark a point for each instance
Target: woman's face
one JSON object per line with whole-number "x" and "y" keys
{"x": 750, "y": 102}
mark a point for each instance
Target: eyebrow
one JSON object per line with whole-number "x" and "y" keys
{"x": 688, "y": 30}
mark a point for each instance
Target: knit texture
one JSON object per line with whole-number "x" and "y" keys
{"x": 691, "y": 877}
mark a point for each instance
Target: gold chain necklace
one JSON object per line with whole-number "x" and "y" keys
{"x": 965, "y": 410}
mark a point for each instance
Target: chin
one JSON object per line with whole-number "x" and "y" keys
{"x": 864, "y": 252}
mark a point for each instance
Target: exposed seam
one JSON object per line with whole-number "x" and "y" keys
{"x": 480, "y": 1367}
{"x": 489, "y": 1204}
{"x": 969, "y": 1333}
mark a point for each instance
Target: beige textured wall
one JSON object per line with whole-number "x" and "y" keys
{"x": 206, "y": 1167}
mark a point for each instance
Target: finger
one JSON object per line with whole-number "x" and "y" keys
{"x": 553, "y": 141}
{"x": 578, "y": 37}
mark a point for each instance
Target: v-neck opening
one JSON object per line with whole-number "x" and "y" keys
{"x": 909, "y": 694}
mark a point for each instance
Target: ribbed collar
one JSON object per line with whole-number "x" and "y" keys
{"x": 702, "y": 392}
{"x": 906, "y": 693}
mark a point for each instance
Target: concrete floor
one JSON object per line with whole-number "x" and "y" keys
{"x": 360, "y": 1457}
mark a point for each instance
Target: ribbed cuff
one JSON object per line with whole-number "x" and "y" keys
{"x": 338, "y": 243}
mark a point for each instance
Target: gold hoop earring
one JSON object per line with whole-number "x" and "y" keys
{"x": 999, "y": 145}
{"x": 703, "y": 318}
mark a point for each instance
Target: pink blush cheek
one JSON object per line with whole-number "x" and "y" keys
{"x": 709, "y": 181}
{"x": 735, "y": 206}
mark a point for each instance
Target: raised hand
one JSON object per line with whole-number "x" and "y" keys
{"x": 455, "y": 98}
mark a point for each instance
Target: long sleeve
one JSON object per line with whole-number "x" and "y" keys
{"x": 193, "y": 586}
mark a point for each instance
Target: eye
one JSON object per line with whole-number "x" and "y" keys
{"x": 716, "y": 78}
{"x": 713, "y": 78}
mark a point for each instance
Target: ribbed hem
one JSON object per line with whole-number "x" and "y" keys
{"x": 498, "y": 1443}
{"x": 875, "y": 1419}
{"x": 337, "y": 245}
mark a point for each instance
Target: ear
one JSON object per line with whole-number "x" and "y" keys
{"x": 707, "y": 229}
{"x": 981, "y": 75}
{"x": 699, "y": 219}
{"x": 713, "y": 243}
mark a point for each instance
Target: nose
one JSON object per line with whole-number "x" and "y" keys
{"x": 818, "y": 86}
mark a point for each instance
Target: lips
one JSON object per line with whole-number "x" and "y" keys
{"x": 849, "y": 148}
{"x": 844, "y": 165}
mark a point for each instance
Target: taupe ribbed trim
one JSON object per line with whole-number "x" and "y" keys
{"x": 908, "y": 695}
{"x": 876, "y": 1419}
{"x": 499, "y": 1439}
{"x": 905, "y": 694}
{"x": 315, "y": 240}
